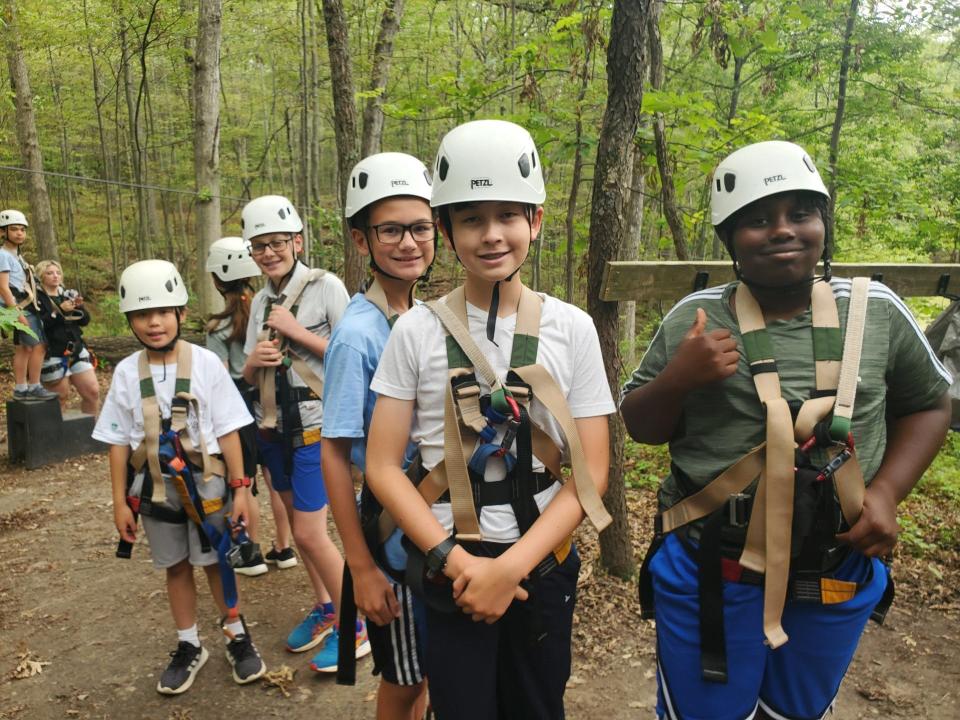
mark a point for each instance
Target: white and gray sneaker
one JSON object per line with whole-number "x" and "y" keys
{"x": 39, "y": 392}
{"x": 244, "y": 657}
{"x": 185, "y": 663}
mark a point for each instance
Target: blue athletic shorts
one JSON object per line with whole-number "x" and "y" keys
{"x": 306, "y": 478}
{"x": 798, "y": 680}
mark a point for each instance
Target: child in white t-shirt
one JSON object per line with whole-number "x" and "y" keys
{"x": 513, "y": 567}
{"x": 165, "y": 425}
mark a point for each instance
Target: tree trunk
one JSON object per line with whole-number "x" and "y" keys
{"x": 670, "y": 209}
{"x": 108, "y": 190}
{"x": 206, "y": 145}
{"x": 41, "y": 216}
{"x": 631, "y": 251}
{"x": 344, "y": 127}
{"x": 841, "y": 105}
{"x": 625, "y": 70}
{"x": 382, "y": 57}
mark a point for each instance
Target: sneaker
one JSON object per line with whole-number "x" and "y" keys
{"x": 243, "y": 656}
{"x": 22, "y": 394}
{"x": 185, "y": 663}
{"x": 253, "y": 567}
{"x": 39, "y": 392}
{"x": 311, "y": 632}
{"x": 325, "y": 661}
{"x": 283, "y": 559}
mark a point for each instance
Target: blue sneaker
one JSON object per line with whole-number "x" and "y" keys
{"x": 311, "y": 632}
{"x": 325, "y": 661}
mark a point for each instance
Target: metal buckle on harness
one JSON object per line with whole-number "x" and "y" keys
{"x": 831, "y": 468}
{"x": 738, "y": 507}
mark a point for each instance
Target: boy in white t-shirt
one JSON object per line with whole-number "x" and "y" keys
{"x": 161, "y": 420}
{"x": 513, "y": 568}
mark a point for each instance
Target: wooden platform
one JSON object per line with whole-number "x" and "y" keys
{"x": 647, "y": 281}
{"x": 38, "y": 435}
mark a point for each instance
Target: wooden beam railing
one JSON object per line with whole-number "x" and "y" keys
{"x": 646, "y": 281}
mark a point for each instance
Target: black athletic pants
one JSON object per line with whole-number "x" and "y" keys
{"x": 516, "y": 668}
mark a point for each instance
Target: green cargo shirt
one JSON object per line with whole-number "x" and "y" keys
{"x": 899, "y": 375}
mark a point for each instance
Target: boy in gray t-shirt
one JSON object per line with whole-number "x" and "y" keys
{"x": 17, "y": 289}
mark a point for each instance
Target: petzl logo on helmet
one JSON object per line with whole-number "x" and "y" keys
{"x": 144, "y": 298}
{"x": 773, "y": 179}
{"x": 399, "y": 183}
{"x": 480, "y": 183}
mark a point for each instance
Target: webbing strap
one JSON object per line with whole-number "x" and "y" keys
{"x": 30, "y": 286}
{"x": 458, "y": 478}
{"x": 267, "y": 376}
{"x": 827, "y": 341}
{"x": 778, "y": 479}
{"x": 547, "y": 391}
{"x": 734, "y": 479}
{"x": 375, "y": 294}
{"x": 148, "y": 452}
{"x": 452, "y": 314}
{"x": 847, "y": 388}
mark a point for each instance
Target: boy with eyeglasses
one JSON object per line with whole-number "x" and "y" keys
{"x": 291, "y": 320}
{"x": 388, "y": 208}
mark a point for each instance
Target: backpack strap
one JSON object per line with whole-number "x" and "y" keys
{"x": 267, "y": 377}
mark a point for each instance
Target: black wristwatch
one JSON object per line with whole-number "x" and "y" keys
{"x": 437, "y": 557}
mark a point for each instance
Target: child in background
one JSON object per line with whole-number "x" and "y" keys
{"x": 388, "y": 208}
{"x": 18, "y": 289}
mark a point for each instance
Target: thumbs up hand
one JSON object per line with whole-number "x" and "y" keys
{"x": 703, "y": 357}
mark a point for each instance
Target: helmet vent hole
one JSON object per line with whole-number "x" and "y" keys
{"x": 718, "y": 184}
{"x": 426, "y": 176}
{"x": 282, "y": 213}
{"x": 169, "y": 286}
{"x": 809, "y": 163}
{"x": 123, "y": 291}
{"x": 443, "y": 168}
{"x": 363, "y": 180}
{"x": 524, "y": 164}
{"x": 533, "y": 157}
{"x": 729, "y": 181}
{"x": 225, "y": 267}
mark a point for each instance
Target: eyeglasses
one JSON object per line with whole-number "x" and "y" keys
{"x": 277, "y": 245}
{"x": 392, "y": 233}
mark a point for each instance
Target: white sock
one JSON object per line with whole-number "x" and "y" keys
{"x": 34, "y": 386}
{"x": 190, "y": 635}
{"x": 21, "y": 387}
{"x": 233, "y": 629}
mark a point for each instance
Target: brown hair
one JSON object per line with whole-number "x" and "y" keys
{"x": 236, "y": 295}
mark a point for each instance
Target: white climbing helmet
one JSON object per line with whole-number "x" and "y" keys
{"x": 269, "y": 214}
{"x": 487, "y": 160}
{"x": 758, "y": 171}
{"x": 229, "y": 259}
{"x": 385, "y": 175}
{"x": 13, "y": 217}
{"x": 151, "y": 284}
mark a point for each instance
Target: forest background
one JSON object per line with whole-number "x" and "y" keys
{"x": 154, "y": 121}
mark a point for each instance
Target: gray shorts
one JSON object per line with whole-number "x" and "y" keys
{"x": 172, "y": 543}
{"x": 35, "y": 324}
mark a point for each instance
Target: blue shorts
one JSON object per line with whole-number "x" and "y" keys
{"x": 305, "y": 479}
{"x": 797, "y": 680}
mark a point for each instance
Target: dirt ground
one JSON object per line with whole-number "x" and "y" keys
{"x": 91, "y": 632}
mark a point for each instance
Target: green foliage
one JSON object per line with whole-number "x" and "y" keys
{"x": 10, "y": 321}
